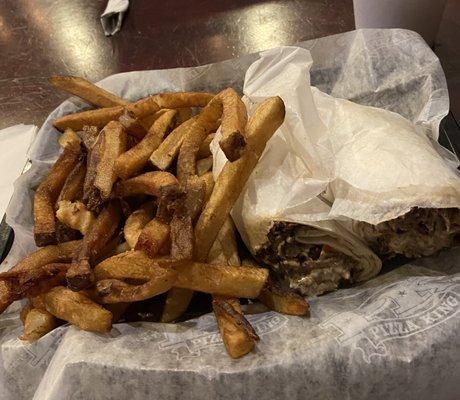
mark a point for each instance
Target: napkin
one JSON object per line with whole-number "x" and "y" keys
{"x": 112, "y": 17}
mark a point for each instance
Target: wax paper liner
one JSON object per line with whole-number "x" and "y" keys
{"x": 395, "y": 336}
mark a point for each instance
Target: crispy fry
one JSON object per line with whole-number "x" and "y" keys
{"x": 206, "y": 122}
{"x": 132, "y": 264}
{"x": 103, "y": 116}
{"x": 153, "y": 236}
{"x": 38, "y": 302}
{"x": 80, "y": 276}
{"x": 37, "y": 323}
{"x": 72, "y": 189}
{"x": 283, "y": 301}
{"x": 183, "y": 114}
{"x": 113, "y": 144}
{"x": 77, "y": 309}
{"x": 204, "y": 151}
{"x": 221, "y": 279}
{"x": 75, "y": 215}
{"x": 46, "y": 195}
{"x": 136, "y": 222}
{"x": 87, "y": 91}
{"x": 225, "y": 249}
{"x": 89, "y": 135}
{"x": 176, "y": 304}
{"x": 91, "y": 195}
{"x": 183, "y": 99}
{"x": 151, "y": 183}
{"x": 208, "y": 180}
{"x": 133, "y": 125}
{"x": 131, "y": 162}
{"x": 151, "y": 118}
{"x": 65, "y": 233}
{"x": 204, "y": 165}
{"x": 234, "y": 118}
{"x": 116, "y": 291}
{"x": 261, "y": 126}
{"x": 237, "y": 333}
{"x": 70, "y": 139}
{"x": 168, "y": 150}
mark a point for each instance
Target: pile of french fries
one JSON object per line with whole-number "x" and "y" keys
{"x": 130, "y": 211}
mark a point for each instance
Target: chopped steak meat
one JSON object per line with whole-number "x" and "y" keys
{"x": 420, "y": 232}
{"x": 311, "y": 269}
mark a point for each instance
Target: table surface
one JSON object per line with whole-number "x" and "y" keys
{"x": 41, "y": 38}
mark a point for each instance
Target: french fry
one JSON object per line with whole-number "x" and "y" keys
{"x": 136, "y": 222}
{"x": 136, "y": 158}
{"x": 75, "y": 215}
{"x": 89, "y": 135}
{"x": 24, "y": 311}
{"x": 153, "y": 237}
{"x": 46, "y": 195}
{"x": 133, "y": 265}
{"x": 208, "y": 180}
{"x": 205, "y": 151}
{"x": 65, "y": 233}
{"x": 88, "y": 91}
{"x": 116, "y": 291}
{"x": 38, "y": 302}
{"x": 225, "y": 249}
{"x": 37, "y": 323}
{"x": 237, "y": 333}
{"x": 80, "y": 275}
{"x": 283, "y": 301}
{"x": 234, "y": 118}
{"x": 183, "y": 99}
{"x": 91, "y": 195}
{"x": 183, "y": 114}
{"x": 151, "y": 183}
{"x": 176, "y": 303}
{"x": 168, "y": 150}
{"x": 70, "y": 139}
{"x": 206, "y": 122}
{"x": 204, "y": 165}
{"x": 72, "y": 189}
{"x": 78, "y": 309}
{"x": 132, "y": 125}
{"x": 261, "y": 126}
{"x": 223, "y": 280}
{"x": 103, "y": 116}
{"x": 113, "y": 144}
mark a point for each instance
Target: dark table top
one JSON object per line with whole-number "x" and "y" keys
{"x": 41, "y": 38}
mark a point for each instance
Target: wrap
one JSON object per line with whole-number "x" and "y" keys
{"x": 282, "y": 214}
{"x": 399, "y": 189}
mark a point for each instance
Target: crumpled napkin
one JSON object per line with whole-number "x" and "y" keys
{"x": 112, "y": 17}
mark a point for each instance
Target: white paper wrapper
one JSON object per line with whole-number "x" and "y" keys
{"x": 381, "y": 340}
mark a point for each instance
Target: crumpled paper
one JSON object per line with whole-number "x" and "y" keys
{"x": 112, "y": 17}
{"x": 383, "y": 339}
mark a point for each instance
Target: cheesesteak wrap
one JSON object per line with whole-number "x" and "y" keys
{"x": 279, "y": 214}
{"x": 399, "y": 189}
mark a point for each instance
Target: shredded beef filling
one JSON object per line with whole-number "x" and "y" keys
{"x": 311, "y": 269}
{"x": 420, "y": 232}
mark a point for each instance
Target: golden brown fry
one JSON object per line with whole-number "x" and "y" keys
{"x": 177, "y": 302}
{"x": 89, "y": 135}
{"x": 153, "y": 236}
{"x": 87, "y": 91}
{"x": 46, "y": 195}
{"x": 203, "y": 166}
{"x": 151, "y": 118}
{"x": 80, "y": 276}
{"x": 237, "y": 333}
{"x": 116, "y": 291}
{"x": 183, "y": 114}
{"x": 283, "y": 301}
{"x": 205, "y": 151}
{"x": 225, "y": 249}
{"x": 168, "y": 150}
{"x": 38, "y": 302}
{"x": 131, "y": 162}
{"x": 103, "y": 116}
{"x": 208, "y": 180}
{"x": 70, "y": 139}
{"x": 136, "y": 222}
{"x": 223, "y": 280}
{"x": 75, "y": 215}
{"x": 133, "y": 125}
{"x": 113, "y": 144}
{"x": 134, "y": 265}
{"x": 151, "y": 183}
{"x": 206, "y": 122}
{"x": 183, "y": 99}
{"x": 261, "y": 126}
{"x": 91, "y": 195}
{"x": 37, "y": 323}
{"x": 78, "y": 309}
{"x": 234, "y": 118}
{"x": 72, "y": 189}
